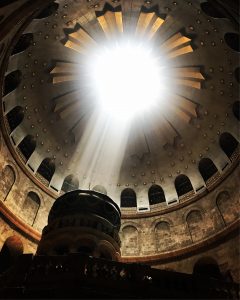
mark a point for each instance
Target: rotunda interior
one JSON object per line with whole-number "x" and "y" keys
{"x": 167, "y": 150}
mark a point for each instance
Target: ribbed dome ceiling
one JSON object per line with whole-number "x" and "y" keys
{"x": 56, "y": 131}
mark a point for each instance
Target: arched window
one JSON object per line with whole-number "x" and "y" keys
{"x": 27, "y": 146}
{"x": 30, "y": 207}
{"x": 207, "y": 168}
{"x": 210, "y": 10}
{"x": 48, "y": 11}
{"x": 15, "y": 117}
{"x": 197, "y": 227}
{"x": 236, "y": 109}
{"x": 130, "y": 240}
{"x": 207, "y": 267}
{"x": 156, "y": 195}
{"x": 183, "y": 185}
{"x": 99, "y": 188}
{"x": 11, "y": 82}
{"x": 163, "y": 236}
{"x": 128, "y": 198}
{"x": 7, "y": 181}
{"x": 70, "y": 183}
{"x": 23, "y": 43}
{"x": 232, "y": 40}
{"x": 228, "y": 143}
{"x": 10, "y": 251}
{"x": 47, "y": 169}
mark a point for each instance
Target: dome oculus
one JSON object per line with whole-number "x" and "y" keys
{"x": 113, "y": 56}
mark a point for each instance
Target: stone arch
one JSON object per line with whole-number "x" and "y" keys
{"x": 183, "y": 185}
{"x": 196, "y": 225}
{"x": 128, "y": 198}
{"x": 207, "y": 168}
{"x": 11, "y": 81}
{"x": 46, "y": 169}
{"x": 163, "y": 236}
{"x": 163, "y": 219}
{"x": 12, "y": 248}
{"x": 8, "y": 178}
{"x": 207, "y": 266}
{"x": 131, "y": 223}
{"x": 100, "y": 189}
{"x": 27, "y": 146}
{"x": 130, "y": 240}
{"x": 228, "y": 144}
{"x": 24, "y": 42}
{"x": 15, "y": 117}
{"x": 70, "y": 183}
{"x": 156, "y": 195}
{"x": 30, "y": 207}
{"x": 227, "y": 207}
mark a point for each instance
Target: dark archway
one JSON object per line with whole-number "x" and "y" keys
{"x": 211, "y": 10}
{"x": 70, "y": 183}
{"x": 183, "y": 185}
{"x": 48, "y": 11}
{"x": 236, "y": 109}
{"x": 15, "y": 117}
{"x": 11, "y": 249}
{"x": 156, "y": 195}
{"x": 128, "y": 198}
{"x": 47, "y": 169}
{"x": 27, "y": 146}
{"x": 11, "y": 81}
{"x": 207, "y": 168}
{"x": 228, "y": 143}
{"x": 232, "y": 40}
{"x": 23, "y": 43}
{"x": 207, "y": 267}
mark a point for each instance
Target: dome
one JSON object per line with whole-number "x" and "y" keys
{"x": 166, "y": 154}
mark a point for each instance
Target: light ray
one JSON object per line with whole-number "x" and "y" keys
{"x": 104, "y": 137}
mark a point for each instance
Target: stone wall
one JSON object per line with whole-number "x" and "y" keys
{"x": 183, "y": 226}
{"x": 143, "y": 237}
{"x": 20, "y": 194}
{"x": 226, "y": 255}
{"x": 7, "y": 231}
